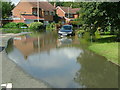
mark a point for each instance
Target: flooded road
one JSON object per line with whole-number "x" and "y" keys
{"x": 62, "y": 62}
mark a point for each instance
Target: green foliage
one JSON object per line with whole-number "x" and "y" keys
{"x": 51, "y": 27}
{"x": 100, "y": 14}
{"x": 19, "y": 25}
{"x": 68, "y": 4}
{"x": 56, "y": 18}
{"x": 38, "y": 26}
{"x": 10, "y": 25}
{"x": 58, "y": 25}
{"x": 80, "y": 31}
{"x": 97, "y": 34}
{"x": 12, "y": 31}
{"x": 7, "y": 7}
{"x": 14, "y": 25}
{"x": 86, "y": 36}
{"x": 109, "y": 50}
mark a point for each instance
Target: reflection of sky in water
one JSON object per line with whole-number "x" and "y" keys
{"x": 57, "y": 66}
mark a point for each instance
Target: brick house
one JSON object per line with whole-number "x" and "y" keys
{"x": 28, "y": 46}
{"x": 67, "y": 13}
{"x": 27, "y": 12}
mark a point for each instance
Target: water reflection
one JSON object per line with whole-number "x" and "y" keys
{"x": 58, "y": 62}
{"x": 95, "y": 72}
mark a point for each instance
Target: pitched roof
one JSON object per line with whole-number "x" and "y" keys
{"x": 31, "y": 17}
{"x": 71, "y": 10}
{"x": 46, "y": 6}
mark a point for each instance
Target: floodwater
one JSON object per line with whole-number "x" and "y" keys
{"x": 62, "y": 62}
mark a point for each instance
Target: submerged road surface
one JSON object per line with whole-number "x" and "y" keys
{"x": 60, "y": 62}
{"x": 11, "y": 73}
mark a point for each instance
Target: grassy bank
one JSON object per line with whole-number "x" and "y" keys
{"x": 107, "y": 47}
{"x": 108, "y": 50}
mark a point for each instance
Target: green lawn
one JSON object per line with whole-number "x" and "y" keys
{"x": 108, "y": 49}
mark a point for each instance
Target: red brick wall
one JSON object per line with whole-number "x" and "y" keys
{"x": 21, "y": 8}
{"x": 26, "y": 7}
{"x": 59, "y": 12}
{"x": 48, "y": 18}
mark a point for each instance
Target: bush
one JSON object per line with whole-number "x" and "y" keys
{"x": 11, "y": 31}
{"x": 86, "y": 36}
{"x": 51, "y": 27}
{"x": 38, "y": 26}
{"x": 97, "y": 34}
{"x": 80, "y": 31}
{"x": 10, "y": 25}
{"x": 19, "y": 25}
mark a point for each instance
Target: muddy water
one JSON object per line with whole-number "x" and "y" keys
{"x": 62, "y": 62}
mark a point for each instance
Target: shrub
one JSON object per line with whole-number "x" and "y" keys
{"x": 80, "y": 31}
{"x": 86, "y": 36}
{"x": 97, "y": 34}
{"x": 51, "y": 27}
{"x": 10, "y": 25}
{"x": 19, "y": 25}
{"x": 11, "y": 31}
{"x": 38, "y": 26}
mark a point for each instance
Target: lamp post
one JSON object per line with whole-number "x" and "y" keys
{"x": 38, "y": 10}
{"x": 68, "y": 12}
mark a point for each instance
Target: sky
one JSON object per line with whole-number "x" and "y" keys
{"x": 17, "y": 1}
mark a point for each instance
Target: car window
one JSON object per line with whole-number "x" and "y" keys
{"x": 67, "y": 27}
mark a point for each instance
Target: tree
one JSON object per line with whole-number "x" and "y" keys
{"x": 6, "y": 9}
{"x": 67, "y": 4}
{"x": 96, "y": 15}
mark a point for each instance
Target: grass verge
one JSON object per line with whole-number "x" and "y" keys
{"x": 106, "y": 49}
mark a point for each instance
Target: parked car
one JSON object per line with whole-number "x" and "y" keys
{"x": 66, "y": 30}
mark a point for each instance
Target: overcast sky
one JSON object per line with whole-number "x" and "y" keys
{"x": 16, "y": 1}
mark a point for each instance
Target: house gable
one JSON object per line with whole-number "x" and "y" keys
{"x": 60, "y": 12}
{"x": 30, "y": 8}
{"x": 22, "y": 8}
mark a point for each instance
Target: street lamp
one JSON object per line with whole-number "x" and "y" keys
{"x": 38, "y": 10}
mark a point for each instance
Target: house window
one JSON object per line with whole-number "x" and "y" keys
{"x": 51, "y": 13}
{"x": 46, "y": 12}
{"x": 34, "y": 13}
{"x": 69, "y": 15}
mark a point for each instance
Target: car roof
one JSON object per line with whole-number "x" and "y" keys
{"x": 67, "y": 25}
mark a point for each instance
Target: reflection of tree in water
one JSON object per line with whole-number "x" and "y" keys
{"x": 9, "y": 46}
{"x": 96, "y": 72}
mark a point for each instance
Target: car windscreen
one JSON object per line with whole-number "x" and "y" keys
{"x": 67, "y": 27}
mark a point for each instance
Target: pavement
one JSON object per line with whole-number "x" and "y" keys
{"x": 11, "y": 73}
